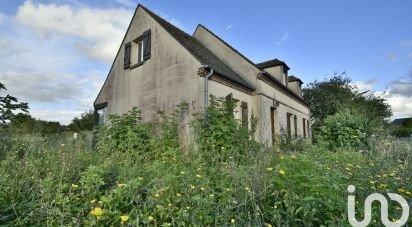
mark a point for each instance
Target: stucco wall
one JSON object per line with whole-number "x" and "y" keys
{"x": 286, "y": 105}
{"x": 277, "y": 72}
{"x": 168, "y": 78}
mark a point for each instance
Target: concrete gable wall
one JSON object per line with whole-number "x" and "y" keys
{"x": 168, "y": 78}
{"x": 227, "y": 55}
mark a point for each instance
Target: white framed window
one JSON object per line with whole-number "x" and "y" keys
{"x": 139, "y": 52}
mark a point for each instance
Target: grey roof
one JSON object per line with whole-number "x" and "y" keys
{"x": 271, "y": 63}
{"x": 200, "y": 52}
{"x": 292, "y": 78}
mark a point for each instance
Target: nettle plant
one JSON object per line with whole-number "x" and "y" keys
{"x": 219, "y": 134}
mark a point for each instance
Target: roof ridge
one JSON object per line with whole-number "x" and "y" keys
{"x": 199, "y": 51}
{"x": 227, "y": 44}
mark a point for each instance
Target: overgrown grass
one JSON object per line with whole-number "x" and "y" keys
{"x": 151, "y": 182}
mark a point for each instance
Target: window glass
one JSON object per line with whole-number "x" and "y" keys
{"x": 140, "y": 52}
{"x": 100, "y": 116}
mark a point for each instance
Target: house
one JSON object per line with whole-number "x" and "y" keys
{"x": 158, "y": 66}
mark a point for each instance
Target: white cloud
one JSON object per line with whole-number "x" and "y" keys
{"x": 401, "y": 105}
{"x": 127, "y": 3}
{"x": 283, "y": 38}
{"x": 98, "y": 31}
{"x": 63, "y": 116}
{"x": 2, "y": 18}
{"x": 406, "y": 43}
{"x": 392, "y": 56}
{"x": 230, "y": 26}
{"x": 364, "y": 86}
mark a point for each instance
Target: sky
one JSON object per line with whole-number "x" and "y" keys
{"x": 55, "y": 55}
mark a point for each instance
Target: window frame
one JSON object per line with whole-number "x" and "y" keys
{"x": 137, "y": 44}
{"x": 97, "y": 108}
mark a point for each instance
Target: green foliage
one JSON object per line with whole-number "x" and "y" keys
{"x": 327, "y": 98}
{"x": 23, "y": 123}
{"x": 345, "y": 129}
{"x": 10, "y": 104}
{"x": 153, "y": 182}
{"x": 125, "y": 133}
{"x": 86, "y": 121}
{"x": 219, "y": 134}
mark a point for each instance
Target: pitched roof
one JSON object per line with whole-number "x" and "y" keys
{"x": 292, "y": 78}
{"x": 200, "y": 52}
{"x": 271, "y": 63}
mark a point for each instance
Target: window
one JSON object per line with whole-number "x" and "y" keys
{"x": 272, "y": 123}
{"x": 244, "y": 114}
{"x": 295, "y": 122}
{"x": 304, "y": 127}
{"x": 100, "y": 116}
{"x": 100, "y": 113}
{"x": 288, "y": 124}
{"x": 139, "y": 52}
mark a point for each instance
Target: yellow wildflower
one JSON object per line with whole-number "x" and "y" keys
{"x": 401, "y": 190}
{"x": 157, "y": 195}
{"x": 233, "y": 221}
{"x": 372, "y": 182}
{"x": 124, "y": 218}
{"x": 202, "y": 189}
{"x": 269, "y": 169}
{"x": 178, "y": 194}
{"x": 293, "y": 156}
{"x": 392, "y": 174}
{"x": 269, "y": 225}
{"x": 140, "y": 178}
{"x": 382, "y": 186}
{"x": 348, "y": 169}
{"x": 282, "y": 172}
{"x": 282, "y": 157}
{"x": 62, "y": 144}
{"x": 192, "y": 187}
{"x": 408, "y": 193}
{"x": 228, "y": 189}
{"x": 75, "y": 186}
{"x": 92, "y": 201}
{"x": 150, "y": 218}
{"x": 169, "y": 204}
{"x": 97, "y": 211}
{"x": 121, "y": 185}
{"x": 384, "y": 175}
{"x": 211, "y": 195}
{"x": 182, "y": 172}
{"x": 223, "y": 148}
{"x": 198, "y": 176}
{"x": 247, "y": 189}
{"x": 349, "y": 165}
{"x": 350, "y": 174}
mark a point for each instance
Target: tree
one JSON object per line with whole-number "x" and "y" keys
{"x": 329, "y": 97}
{"x": 9, "y": 105}
{"x": 84, "y": 122}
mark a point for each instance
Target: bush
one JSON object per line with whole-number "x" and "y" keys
{"x": 347, "y": 128}
{"x": 153, "y": 183}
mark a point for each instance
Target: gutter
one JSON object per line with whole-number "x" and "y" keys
{"x": 206, "y": 86}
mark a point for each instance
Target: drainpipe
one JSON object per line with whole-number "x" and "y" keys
{"x": 207, "y": 86}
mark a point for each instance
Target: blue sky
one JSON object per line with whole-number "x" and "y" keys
{"x": 56, "y": 54}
